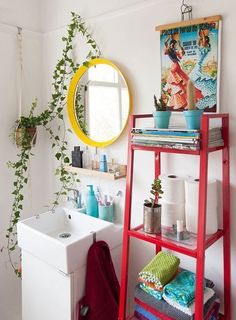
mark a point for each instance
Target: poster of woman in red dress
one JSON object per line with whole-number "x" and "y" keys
{"x": 190, "y": 53}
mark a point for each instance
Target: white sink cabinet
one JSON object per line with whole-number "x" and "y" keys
{"x": 54, "y": 268}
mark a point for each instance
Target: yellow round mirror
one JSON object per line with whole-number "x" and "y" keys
{"x": 98, "y": 102}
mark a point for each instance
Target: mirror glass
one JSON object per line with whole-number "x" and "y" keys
{"x": 98, "y": 102}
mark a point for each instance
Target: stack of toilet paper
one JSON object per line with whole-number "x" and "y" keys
{"x": 173, "y": 200}
{"x": 180, "y": 202}
{"x": 191, "y": 205}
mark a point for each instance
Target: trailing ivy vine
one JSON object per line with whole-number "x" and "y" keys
{"x": 62, "y": 74}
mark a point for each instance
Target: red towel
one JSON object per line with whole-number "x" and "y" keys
{"x": 101, "y": 287}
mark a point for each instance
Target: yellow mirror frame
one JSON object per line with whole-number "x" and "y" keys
{"x": 71, "y": 107}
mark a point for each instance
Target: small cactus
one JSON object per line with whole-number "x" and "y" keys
{"x": 191, "y": 99}
{"x": 161, "y": 105}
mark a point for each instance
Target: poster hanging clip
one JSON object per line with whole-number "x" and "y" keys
{"x": 186, "y": 10}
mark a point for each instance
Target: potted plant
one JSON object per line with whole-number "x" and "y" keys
{"x": 26, "y": 129}
{"x": 192, "y": 115}
{"x": 152, "y": 210}
{"x": 161, "y": 115}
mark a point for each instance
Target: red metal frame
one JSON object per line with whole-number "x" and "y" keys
{"x": 160, "y": 241}
{"x": 202, "y": 242}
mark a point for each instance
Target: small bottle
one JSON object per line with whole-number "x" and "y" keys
{"x": 103, "y": 163}
{"x": 111, "y": 166}
{"x": 95, "y": 162}
{"x": 77, "y": 157}
{"x": 91, "y": 203}
{"x": 87, "y": 159}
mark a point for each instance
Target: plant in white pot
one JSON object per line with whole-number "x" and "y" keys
{"x": 152, "y": 210}
{"x": 192, "y": 115}
{"x": 161, "y": 115}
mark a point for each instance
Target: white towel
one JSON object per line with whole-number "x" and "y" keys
{"x": 208, "y": 294}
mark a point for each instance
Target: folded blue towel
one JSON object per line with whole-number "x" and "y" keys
{"x": 182, "y": 288}
{"x": 145, "y": 313}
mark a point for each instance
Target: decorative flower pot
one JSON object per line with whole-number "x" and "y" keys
{"x": 25, "y": 137}
{"x": 193, "y": 118}
{"x": 161, "y": 119}
{"x": 152, "y": 218}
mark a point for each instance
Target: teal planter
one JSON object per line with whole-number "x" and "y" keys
{"x": 193, "y": 118}
{"x": 161, "y": 119}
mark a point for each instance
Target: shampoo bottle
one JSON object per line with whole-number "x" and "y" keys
{"x": 91, "y": 203}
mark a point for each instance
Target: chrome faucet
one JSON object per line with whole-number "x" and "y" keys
{"x": 76, "y": 199}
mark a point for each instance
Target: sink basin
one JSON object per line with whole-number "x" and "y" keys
{"x": 62, "y": 238}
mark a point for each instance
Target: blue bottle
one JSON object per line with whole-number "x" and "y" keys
{"x": 91, "y": 203}
{"x": 103, "y": 163}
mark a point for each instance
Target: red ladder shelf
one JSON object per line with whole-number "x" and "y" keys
{"x": 202, "y": 243}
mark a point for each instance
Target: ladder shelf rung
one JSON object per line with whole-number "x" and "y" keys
{"x": 189, "y": 248}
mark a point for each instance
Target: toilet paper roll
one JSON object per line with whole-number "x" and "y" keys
{"x": 192, "y": 192}
{"x": 171, "y": 212}
{"x": 191, "y": 214}
{"x": 173, "y": 188}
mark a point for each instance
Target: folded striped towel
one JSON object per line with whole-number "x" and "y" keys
{"x": 182, "y": 288}
{"x": 155, "y": 293}
{"x": 160, "y": 270}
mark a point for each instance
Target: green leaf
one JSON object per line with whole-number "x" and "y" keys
{"x": 66, "y": 160}
{"x": 58, "y": 155}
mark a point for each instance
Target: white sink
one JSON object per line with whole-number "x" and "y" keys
{"x": 42, "y": 236}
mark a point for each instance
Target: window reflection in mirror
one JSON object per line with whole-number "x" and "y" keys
{"x": 103, "y": 102}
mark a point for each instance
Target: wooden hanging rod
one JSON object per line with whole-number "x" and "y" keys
{"x": 188, "y": 23}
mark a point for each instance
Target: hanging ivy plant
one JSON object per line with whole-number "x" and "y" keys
{"x": 62, "y": 74}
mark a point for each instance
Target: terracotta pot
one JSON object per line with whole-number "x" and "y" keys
{"x": 30, "y": 137}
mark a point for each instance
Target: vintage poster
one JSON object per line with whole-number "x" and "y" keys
{"x": 190, "y": 53}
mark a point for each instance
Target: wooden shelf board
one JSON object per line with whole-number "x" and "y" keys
{"x": 96, "y": 173}
{"x": 188, "y": 23}
{"x": 181, "y": 247}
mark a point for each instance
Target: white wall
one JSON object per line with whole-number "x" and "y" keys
{"x": 125, "y": 34}
{"x": 25, "y": 14}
